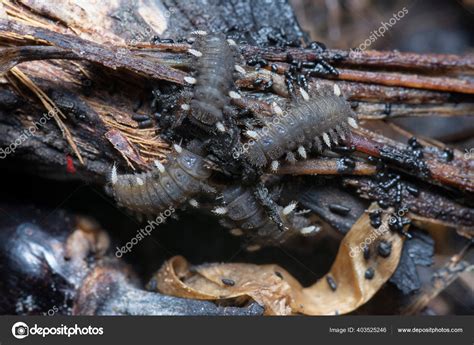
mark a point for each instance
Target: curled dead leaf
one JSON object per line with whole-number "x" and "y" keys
{"x": 224, "y": 281}
{"x": 343, "y": 289}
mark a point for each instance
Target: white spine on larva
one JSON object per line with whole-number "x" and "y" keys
{"x": 253, "y": 247}
{"x": 304, "y": 94}
{"x": 275, "y": 165}
{"x": 337, "y": 90}
{"x": 234, "y": 95}
{"x": 160, "y": 166}
{"x": 251, "y": 134}
{"x": 290, "y": 208}
{"x": 220, "y": 127}
{"x": 190, "y": 80}
{"x": 199, "y": 32}
{"x": 326, "y": 139}
{"x": 177, "y": 148}
{"x": 302, "y": 152}
{"x": 276, "y": 109}
{"x": 194, "y": 52}
{"x": 341, "y": 133}
{"x": 113, "y": 175}
{"x": 309, "y": 230}
{"x": 240, "y": 69}
{"x": 236, "y": 232}
{"x": 352, "y": 122}
{"x": 221, "y": 210}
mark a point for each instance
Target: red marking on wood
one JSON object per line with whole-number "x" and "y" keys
{"x": 70, "y": 165}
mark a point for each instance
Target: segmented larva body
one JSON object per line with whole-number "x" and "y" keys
{"x": 308, "y": 124}
{"x": 243, "y": 212}
{"x": 214, "y": 78}
{"x": 166, "y": 185}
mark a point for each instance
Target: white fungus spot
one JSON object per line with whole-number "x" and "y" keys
{"x": 193, "y": 203}
{"x": 337, "y": 90}
{"x": 231, "y": 42}
{"x": 185, "y": 107}
{"x": 140, "y": 182}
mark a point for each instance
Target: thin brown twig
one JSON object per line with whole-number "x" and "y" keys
{"x": 385, "y": 59}
{"x": 457, "y": 173}
{"x": 416, "y": 81}
{"x": 325, "y": 167}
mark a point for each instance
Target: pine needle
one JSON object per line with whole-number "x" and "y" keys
{"x": 50, "y": 107}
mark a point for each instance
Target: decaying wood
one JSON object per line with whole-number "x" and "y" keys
{"x": 442, "y": 278}
{"x": 147, "y": 63}
{"x": 429, "y": 204}
{"x": 457, "y": 173}
{"x": 70, "y": 47}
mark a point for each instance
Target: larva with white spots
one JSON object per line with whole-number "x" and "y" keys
{"x": 151, "y": 192}
{"x": 308, "y": 124}
{"x": 242, "y": 211}
{"x": 214, "y": 79}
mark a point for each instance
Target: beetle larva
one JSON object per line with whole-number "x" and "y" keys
{"x": 183, "y": 176}
{"x": 308, "y": 124}
{"x": 244, "y": 213}
{"x": 215, "y": 65}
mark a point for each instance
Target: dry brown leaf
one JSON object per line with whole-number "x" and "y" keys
{"x": 353, "y": 289}
{"x": 260, "y": 283}
{"x": 279, "y": 291}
